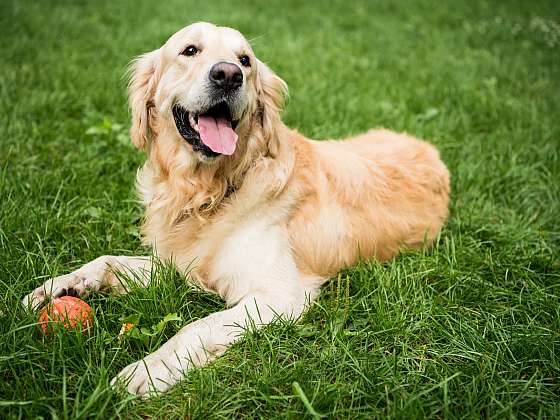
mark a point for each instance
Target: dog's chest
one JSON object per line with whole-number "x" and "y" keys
{"x": 234, "y": 261}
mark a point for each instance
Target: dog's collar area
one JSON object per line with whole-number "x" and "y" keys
{"x": 230, "y": 191}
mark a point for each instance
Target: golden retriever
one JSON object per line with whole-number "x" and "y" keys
{"x": 266, "y": 215}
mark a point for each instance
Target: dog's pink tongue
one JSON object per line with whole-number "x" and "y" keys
{"x": 217, "y": 134}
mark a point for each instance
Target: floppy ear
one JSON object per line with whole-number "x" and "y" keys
{"x": 141, "y": 88}
{"x": 271, "y": 93}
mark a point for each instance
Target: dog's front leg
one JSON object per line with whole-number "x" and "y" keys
{"x": 201, "y": 341}
{"x": 94, "y": 276}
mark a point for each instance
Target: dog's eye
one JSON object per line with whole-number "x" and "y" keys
{"x": 190, "y": 50}
{"x": 245, "y": 61}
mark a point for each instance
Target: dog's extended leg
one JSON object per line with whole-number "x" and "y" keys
{"x": 255, "y": 271}
{"x": 202, "y": 341}
{"x": 96, "y": 275}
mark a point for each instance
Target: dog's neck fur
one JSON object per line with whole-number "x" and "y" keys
{"x": 183, "y": 197}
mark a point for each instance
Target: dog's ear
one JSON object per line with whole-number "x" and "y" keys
{"x": 144, "y": 71}
{"x": 271, "y": 91}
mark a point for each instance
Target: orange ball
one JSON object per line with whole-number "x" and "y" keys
{"x": 68, "y": 311}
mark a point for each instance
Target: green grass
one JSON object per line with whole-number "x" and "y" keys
{"x": 470, "y": 329}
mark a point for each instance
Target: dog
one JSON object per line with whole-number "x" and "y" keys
{"x": 253, "y": 210}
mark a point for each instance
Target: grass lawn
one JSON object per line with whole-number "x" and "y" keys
{"x": 470, "y": 329}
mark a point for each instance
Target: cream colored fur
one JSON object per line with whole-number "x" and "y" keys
{"x": 265, "y": 227}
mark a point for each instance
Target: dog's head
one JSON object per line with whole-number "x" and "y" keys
{"x": 204, "y": 90}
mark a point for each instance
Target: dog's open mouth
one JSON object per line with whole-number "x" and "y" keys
{"x": 211, "y": 132}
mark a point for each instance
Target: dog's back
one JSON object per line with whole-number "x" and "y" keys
{"x": 372, "y": 195}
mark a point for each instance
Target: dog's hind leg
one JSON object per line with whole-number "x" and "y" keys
{"x": 99, "y": 274}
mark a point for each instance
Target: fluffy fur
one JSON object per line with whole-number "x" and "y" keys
{"x": 268, "y": 225}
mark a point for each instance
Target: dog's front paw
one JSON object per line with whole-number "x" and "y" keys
{"x": 34, "y": 299}
{"x": 149, "y": 376}
{"x": 69, "y": 284}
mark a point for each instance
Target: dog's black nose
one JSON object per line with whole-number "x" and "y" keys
{"x": 226, "y": 76}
